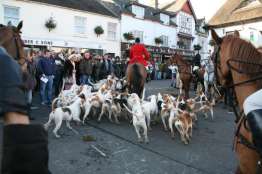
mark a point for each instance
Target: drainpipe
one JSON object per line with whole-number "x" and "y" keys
{"x": 156, "y": 4}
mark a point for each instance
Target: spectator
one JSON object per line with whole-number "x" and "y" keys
{"x": 30, "y": 80}
{"x": 47, "y": 71}
{"x": 59, "y": 70}
{"x": 86, "y": 69}
{"x": 117, "y": 67}
{"x": 174, "y": 70}
{"x": 96, "y": 68}
{"x": 106, "y": 67}
{"x": 164, "y": 70}
{"x": 69, "y": 76}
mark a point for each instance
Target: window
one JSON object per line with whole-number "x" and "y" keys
{"x": 80, "y": 25}
{"x": 185, "y": 24}
{"x": 184, "y": 43}
{"x": 165, "y": 40}
{"x": 138, "y": 11}
{"x": 111, "y": 33}
{"x": 11, "y": 15}
{"x": 138, "y": 34}
{"x": 164, "y": 18}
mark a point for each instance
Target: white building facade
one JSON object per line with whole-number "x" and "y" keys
{"x": 74, "y": 28}
{"x": 250, "y": 32}
{"x": 148, "y": 30}
{"x": 242, "y": 16}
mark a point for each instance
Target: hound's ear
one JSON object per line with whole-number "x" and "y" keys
{"x": 19, "y": 26}
{"x": 216, "y": 38}
{"x": 82, "y": 96}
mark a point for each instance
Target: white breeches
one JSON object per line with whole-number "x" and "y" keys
{"x": 253, "y": 102}
{"x": 209, "y": 77}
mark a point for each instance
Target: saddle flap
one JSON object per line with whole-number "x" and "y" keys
{"x": 254, "y": 119}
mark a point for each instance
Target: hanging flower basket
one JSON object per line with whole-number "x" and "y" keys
{"x": 158, "y": 40}
{"x": 197, "y": 47}
{"x": 128, "y": 36}
{"x": 99, "y": 30}
{"x": 50, "y": 24}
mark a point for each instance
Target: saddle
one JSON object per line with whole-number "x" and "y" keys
{"x": 254, "y": 119}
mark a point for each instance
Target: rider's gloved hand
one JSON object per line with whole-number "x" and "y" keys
{"x": 12, "y": 96}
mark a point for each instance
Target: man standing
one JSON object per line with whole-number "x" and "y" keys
{"x": 106, "y": 67}
{"x": 47, "y": 71}
{"x": 86, "y": 69}
{"x": 59, "y": 63}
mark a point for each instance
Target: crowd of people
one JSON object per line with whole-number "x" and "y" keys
{"x": 50, "y": 72}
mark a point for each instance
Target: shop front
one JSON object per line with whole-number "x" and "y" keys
{"x": 158, "y": 53}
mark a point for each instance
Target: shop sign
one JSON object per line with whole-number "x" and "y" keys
{"x": 38, "y": 42}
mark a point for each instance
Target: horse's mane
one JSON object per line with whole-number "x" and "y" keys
{"x": 246, "y": 58}
{"x": 178, "y": 56}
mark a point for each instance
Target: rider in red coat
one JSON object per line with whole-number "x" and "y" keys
{"x": 138, "y": 53}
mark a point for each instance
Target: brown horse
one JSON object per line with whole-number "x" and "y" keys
{"x": 185, "y": 74}
{"x": 10, "y": 39}
{"x": 238, "y": 65}
{"x": 136, "y": 77}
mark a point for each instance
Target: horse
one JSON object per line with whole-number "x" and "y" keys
{"x": 136, "y": 77}
{"x": 10, "y": 39}
{"x": 185, "y": 74}
{"x": 238, "y": 65}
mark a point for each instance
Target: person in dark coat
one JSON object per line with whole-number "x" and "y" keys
{"x": 25, "y": 145}
{"x": 47, "y": 71}
{"x": 106, "y": 67}
{"x": 197, "y": 60}
{"x": 59, "y": 70}
{"x": 29, "y": 79}
{"x": 86, "y": 69}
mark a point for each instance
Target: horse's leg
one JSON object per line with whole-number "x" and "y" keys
{"x": 238, "y": 171}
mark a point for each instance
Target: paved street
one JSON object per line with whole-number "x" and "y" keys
{"x": 210, "y": 150}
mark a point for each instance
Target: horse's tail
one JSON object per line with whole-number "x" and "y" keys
{"x": 137, "y": 80}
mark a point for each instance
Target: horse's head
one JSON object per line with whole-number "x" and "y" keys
{"x": 10, "y": 39}
{"x": 236, "y": 59}
{"x": 221, "y": 56}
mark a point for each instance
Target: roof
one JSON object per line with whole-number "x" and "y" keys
{"x": 177, "y": 5}
{"x": 235, "y": 12}
{"x": 124, "y": 6}
{"x": 93, "y": 6}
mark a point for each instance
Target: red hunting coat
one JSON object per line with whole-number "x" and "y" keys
{"x": 139, "y": 54}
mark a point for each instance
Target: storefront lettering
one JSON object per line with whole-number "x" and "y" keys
{"x": 38, "y": 42}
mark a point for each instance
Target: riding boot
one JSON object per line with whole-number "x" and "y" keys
{"x": 254, "y": 119}
{"x": 29, "y": 112}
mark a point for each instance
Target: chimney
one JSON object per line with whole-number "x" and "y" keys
{"x": 156, "y": 4}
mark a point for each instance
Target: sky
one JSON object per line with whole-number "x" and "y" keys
{"x": 203, "y": 8}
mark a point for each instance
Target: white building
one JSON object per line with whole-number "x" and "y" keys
{"x": 202, "y": 38}
{"x": 146, "y": 23}
{"x": 185, "y": 18}
{"x": 243, "y": 16}
{"x": 75, "y": 23}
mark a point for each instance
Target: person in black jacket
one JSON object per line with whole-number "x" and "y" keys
{"x": 24, "y": 148}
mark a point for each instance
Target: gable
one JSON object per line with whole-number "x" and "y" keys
{"x": 187, "y": 9}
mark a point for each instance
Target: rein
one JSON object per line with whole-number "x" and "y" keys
{"x": 241, "y": 117}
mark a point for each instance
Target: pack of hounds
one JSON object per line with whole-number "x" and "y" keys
{"x": 111, "y": 98}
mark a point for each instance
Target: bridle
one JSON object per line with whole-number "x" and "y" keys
{"x": 240, "y": 117}
{"x": 17, "y": 57}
